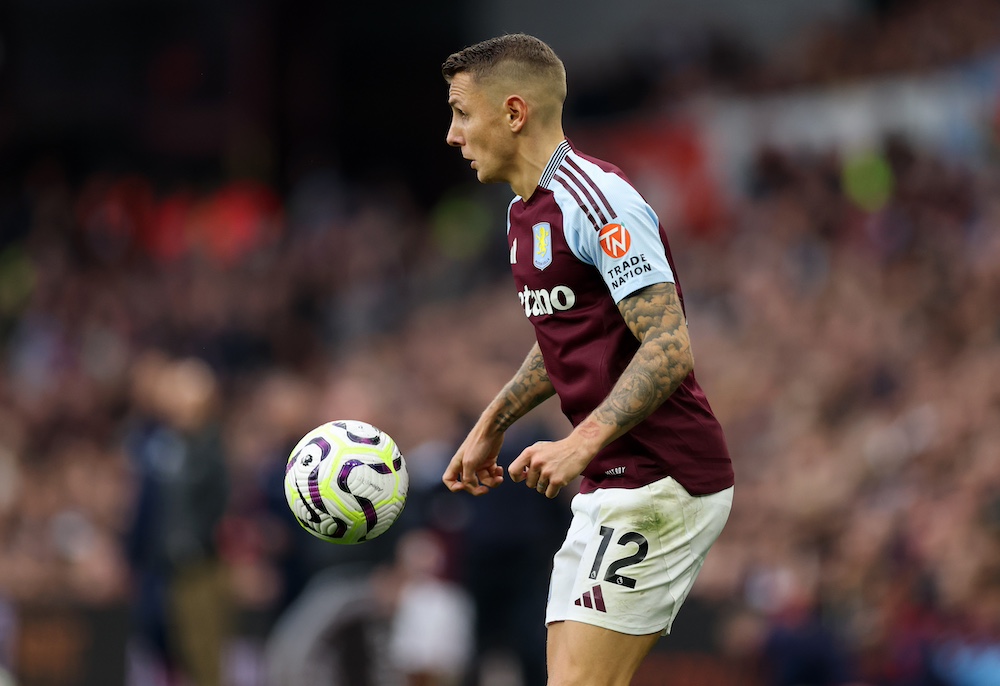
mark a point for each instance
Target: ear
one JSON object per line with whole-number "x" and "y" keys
{"x": 516, "y": 110}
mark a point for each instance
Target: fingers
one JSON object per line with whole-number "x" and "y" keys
{"x": 452, "y": 476}
{"x": 518, "y": 469}
{"x": 469, "y": 474}
{"x": 533, "y": 474}
{"x": 470, "y": 486}
{"x": 479, "y": 481}
{"x": 533, "y": 466}
{"x": 490, "y": 476}
{"x": 461, "y": 477}
{"x": 548, "y": 489}
{"x": 522, "y": 469}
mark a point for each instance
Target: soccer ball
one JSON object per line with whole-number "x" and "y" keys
{"x": 346, "y": 482}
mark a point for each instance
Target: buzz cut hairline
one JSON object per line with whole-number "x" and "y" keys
{"x": 518, "y": 54}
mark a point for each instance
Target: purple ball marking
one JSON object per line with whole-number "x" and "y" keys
{"x": 341, "y": 528}
{"x": 366, "y": 505}
{"x": 313, "y": 515}
{"x": 314, "y": 493}
{"x": 345, "y": 470}
{"x": 338, "y": 533}
{"x": 397, "y": 463}
{"x": 363, "y": 440}
{"x": 314, "y": 499}
{"x": 324, "y": 446}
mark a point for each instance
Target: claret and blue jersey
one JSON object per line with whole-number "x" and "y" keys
{"x": 581, "y": 243}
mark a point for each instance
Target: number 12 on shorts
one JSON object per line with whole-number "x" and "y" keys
{"x": 607, "y": 533}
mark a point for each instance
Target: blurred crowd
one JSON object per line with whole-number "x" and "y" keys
{"x": 851, "y": 354}
{"x": 164, "y": 347}
{"x": 899, "y": 36}
{"x": 667, "y": 63}
{"x": 149, "y": 402}
{"x": 163, "y": 352}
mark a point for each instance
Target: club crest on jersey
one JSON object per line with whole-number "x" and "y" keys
{"x": 542, "y": 250}
{"x": 615, "y": 240}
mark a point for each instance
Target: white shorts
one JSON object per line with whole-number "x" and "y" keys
{"x": 631, "y": 555}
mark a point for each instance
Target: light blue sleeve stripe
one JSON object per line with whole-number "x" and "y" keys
{"x": 645, "y": 262}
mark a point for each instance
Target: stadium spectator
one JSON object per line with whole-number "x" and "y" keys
{"x": 180, "y": 460}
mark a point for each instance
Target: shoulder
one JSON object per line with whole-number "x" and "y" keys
{"x": 596, "y": 188}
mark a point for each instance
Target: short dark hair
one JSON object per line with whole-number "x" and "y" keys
{"x": 526, "y": 52}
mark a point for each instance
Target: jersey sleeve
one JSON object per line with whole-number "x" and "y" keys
{"x": 628, "y": 250}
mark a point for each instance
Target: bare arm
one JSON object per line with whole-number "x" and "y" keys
{"x": 659, "y": 366}
{"x": 529, "y": 387}
{"x": 474, "y": 466}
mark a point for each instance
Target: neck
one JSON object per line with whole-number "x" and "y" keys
{"x": 532, "y": 158}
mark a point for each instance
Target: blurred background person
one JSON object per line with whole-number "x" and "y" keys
{"x": 432, "y": 636}
{"x": 183, "y": 594}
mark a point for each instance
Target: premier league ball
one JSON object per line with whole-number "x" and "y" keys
{"x": 346, "y": 482}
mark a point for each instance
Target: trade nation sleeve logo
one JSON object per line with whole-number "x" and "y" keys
{"x": 615, "y": 240}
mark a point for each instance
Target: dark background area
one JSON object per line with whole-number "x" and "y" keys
{"x": 197, "y": 91}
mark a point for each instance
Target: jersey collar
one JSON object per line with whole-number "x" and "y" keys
{"x": 557, "y": 159}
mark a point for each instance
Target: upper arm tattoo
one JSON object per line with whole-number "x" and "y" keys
{"x": 660, "y": 365}
{"x": 527, "y": 390}
{"x": 652, "y": 307}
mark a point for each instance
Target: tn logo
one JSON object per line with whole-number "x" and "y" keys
{"x": 615, "y": 240}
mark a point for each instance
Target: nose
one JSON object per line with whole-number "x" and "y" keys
{"x": 454, "y": 137}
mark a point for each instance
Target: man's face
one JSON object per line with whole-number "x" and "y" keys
{"x": 479, "y": 126}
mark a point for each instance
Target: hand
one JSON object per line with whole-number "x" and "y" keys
{"x": 548, "y": 466}
{"x": 474, "y": 466}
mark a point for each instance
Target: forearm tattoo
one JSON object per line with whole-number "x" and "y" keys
{"x": 660, "y": 365}
{"x": 526, "y": 391}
